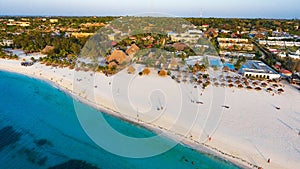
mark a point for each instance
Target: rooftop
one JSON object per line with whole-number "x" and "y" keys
{"x": 257, "y": 67}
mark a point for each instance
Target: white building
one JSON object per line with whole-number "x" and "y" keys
{"x": 258, "y": 69}
{"x": 6, "y": 42}
{"x": 53, "y": 20}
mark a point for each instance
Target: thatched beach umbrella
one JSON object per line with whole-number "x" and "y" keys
{"x": 275, "y": 85}
{"x": 230, "y": 81}
{"x": 230, "y": 85}
{"x": 162, "y": 73}
{"x": 146, "y": 71}
{"x": 280, "y": 90}
{"x": 240, "y": 86}
{"x": 223, "y": 84}
{"x": 249, "y": 87}
{"x": 257, "y": 88}
{"x": 269, "y": 89}
{"x": 237, "y": 82}
{"x": 216, "y": 84}
{"x": 264, "y": 84}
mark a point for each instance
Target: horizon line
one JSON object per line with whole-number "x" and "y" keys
{"x": 204, "y": 17}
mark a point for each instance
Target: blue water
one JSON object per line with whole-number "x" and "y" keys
{"x": 39, "y": 129}
{"x": 230, "y": 65}
{"x": 215, "y": 62}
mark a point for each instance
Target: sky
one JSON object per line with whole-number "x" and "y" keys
{"x": 286, "y": 9}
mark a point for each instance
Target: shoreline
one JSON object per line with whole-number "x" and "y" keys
{"x": 186, "y": 141}
{"x": 192, "y": 144}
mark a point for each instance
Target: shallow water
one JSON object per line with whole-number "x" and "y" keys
{"x": 39, "y": 129}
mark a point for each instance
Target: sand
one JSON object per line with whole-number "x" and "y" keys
{"x": 249, "y": 132}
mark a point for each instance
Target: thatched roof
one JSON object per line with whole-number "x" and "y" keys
{"x": 117, "y": 56}
{"x": 162, "y": 72}
{"x": 280, "y": 90}
{"x": 257, "y": 88}
{"x": 47, "y": 49}
{"x": 146, "y": 71}
{"x": 179, "y": 46}
{"x": 226, "y": 68}
{"x": 132, "y": 49}
{"x": 173, "y": 62}
{"x": 131, "y": 69}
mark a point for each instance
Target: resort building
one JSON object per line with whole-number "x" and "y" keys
{"x": 53, "y": 20}
{"x": 6, "y": 42}
{"x": 235, "y": 43}
{"x": 258, "y": 69}
{"x": 81, "y": 34}
{"x": 116, "y": 58}
{"x": 132, "y": 50}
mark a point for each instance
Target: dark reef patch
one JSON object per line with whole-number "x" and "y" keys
{"x": 8, "y": 136}
{"x": 74, "y": 164}
{"x": 42, "y": 142}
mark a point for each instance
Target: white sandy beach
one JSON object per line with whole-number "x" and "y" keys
{"x": 252, "y": 130}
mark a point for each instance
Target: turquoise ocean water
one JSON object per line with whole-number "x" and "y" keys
{"x": 39, "y": 129}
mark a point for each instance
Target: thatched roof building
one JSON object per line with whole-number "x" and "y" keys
{"x": 132, "y": 50}
{"x": 131, "y": 70}
{"x": 118, "y": 56}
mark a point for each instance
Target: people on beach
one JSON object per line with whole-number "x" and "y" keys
{"x": 269, "y": 160}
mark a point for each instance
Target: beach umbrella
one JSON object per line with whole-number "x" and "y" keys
{"x": 257, "y": 88}
{"x": 264, "y": 84}
{"x": 249, "y": 87}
